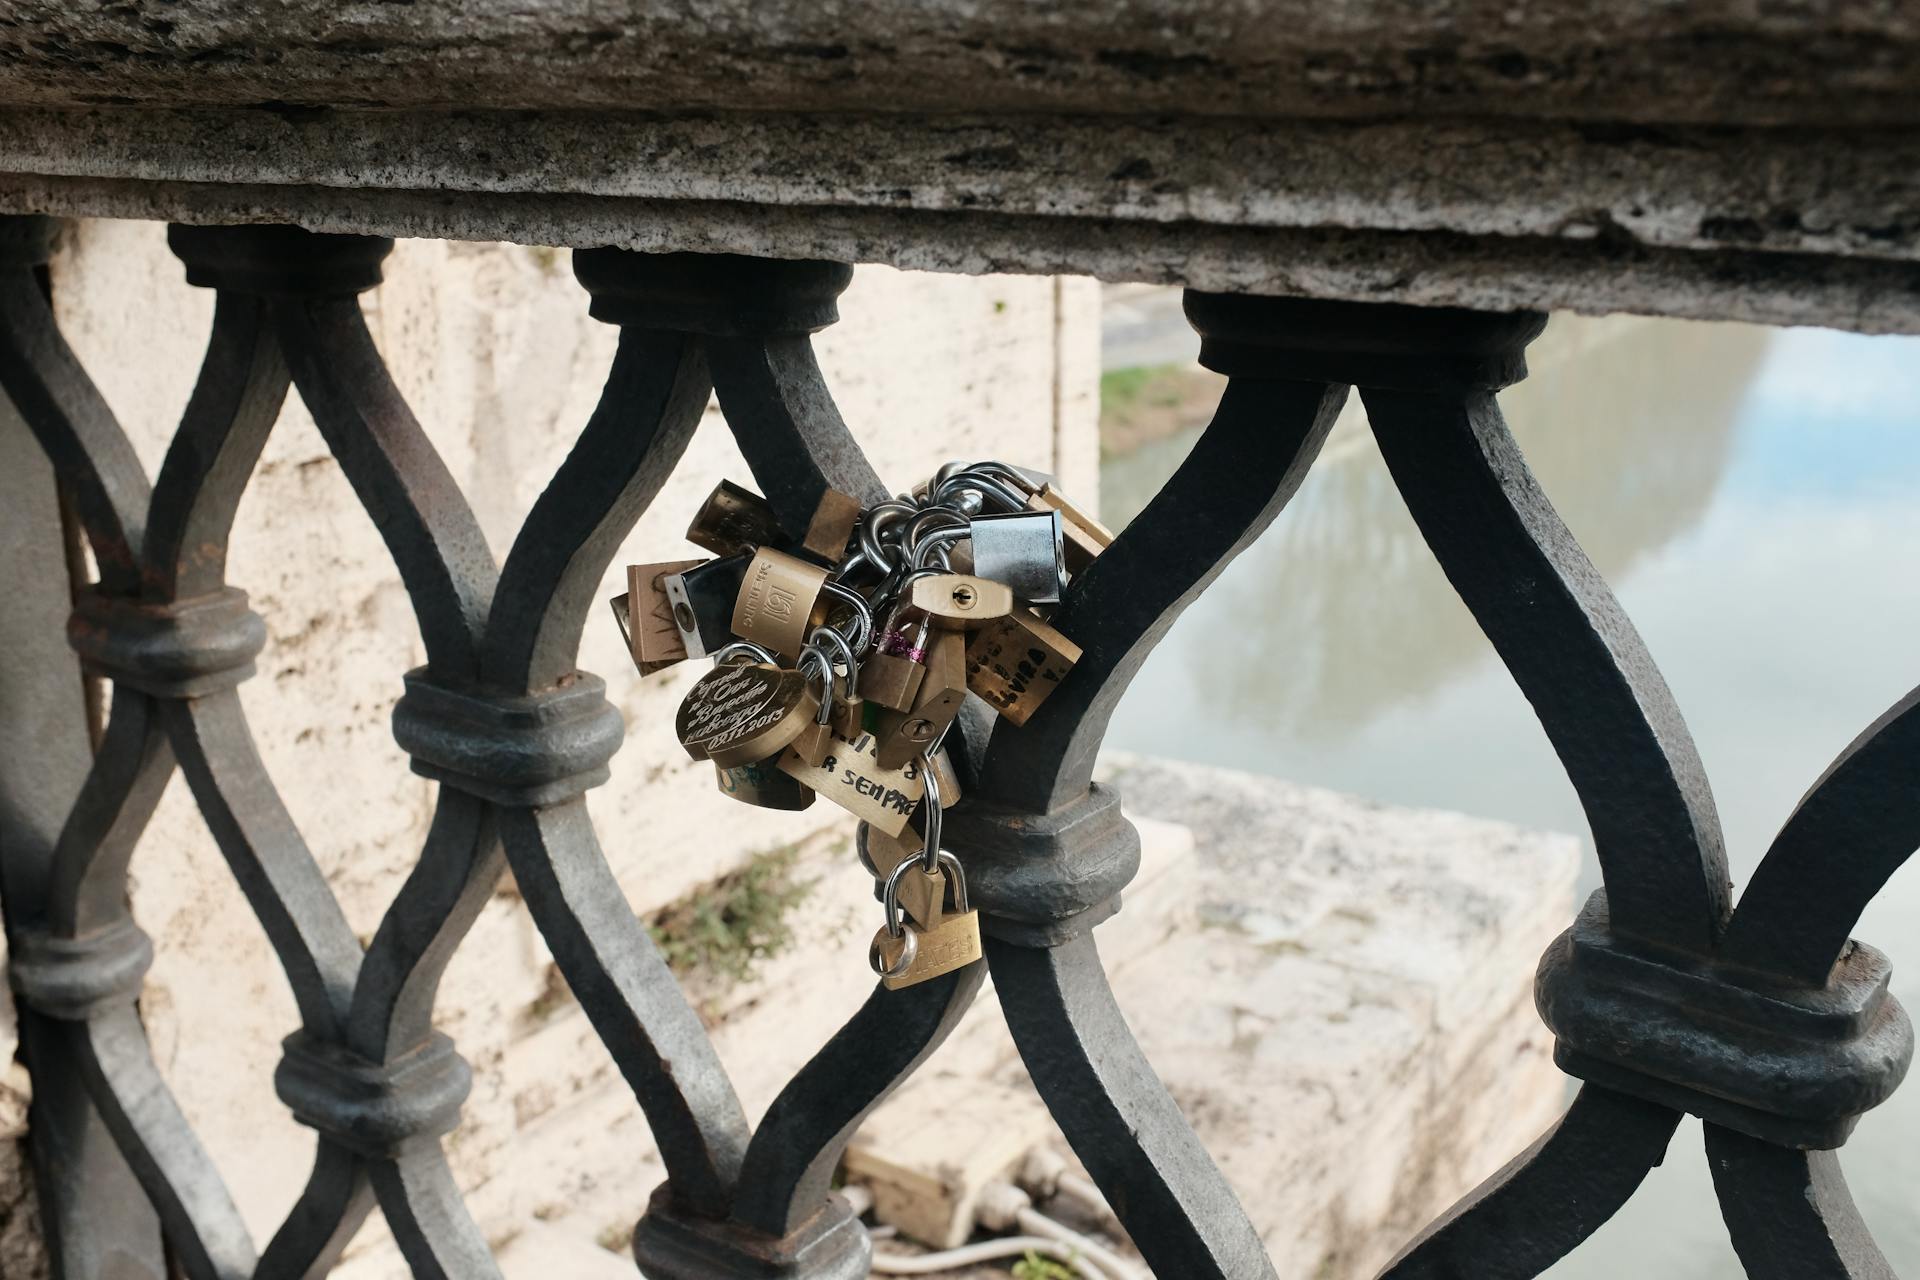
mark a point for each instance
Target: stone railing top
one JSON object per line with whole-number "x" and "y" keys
{"x": 1707, "y": 159}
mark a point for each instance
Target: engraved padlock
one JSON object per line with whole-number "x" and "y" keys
{"x": 744, "y": 711}
{"x": 960, "y": 601}
{"x": 701, "y": 599}
{"x": 851, "y": 776}
{"x": 902, "y": 735}
{"x": 1015, "y": 662}
{"x": 652, "y": 637}
{"x": 891, "y": 675}
{"x": 1023, "y": 549}
{"x": 761, "y": 783}
{"x": 781, "y": 600}
{"x": 904, "y": 955}
{"x": 734, "y": 521}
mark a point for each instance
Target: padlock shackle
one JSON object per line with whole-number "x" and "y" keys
{"x": 862, "y": 612}
{"x": 936, "y": 813}
{"x": 826, "y": 637}
{"x": 944, "y": 863}
{"x": 986, "y": 485}
{"x": 728, "y": 654}
{"x": 823, "y": 668}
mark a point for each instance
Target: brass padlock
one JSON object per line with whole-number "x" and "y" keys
{"x": 760, "y": 782}
{"x": 815, "y": 742}
{"x": 1085, "y": 536}
{"x": 832, "y": 526}
{"x": 734, "y": 521}
{"x": 880, "y": 853}
{"x": 959, "y": 601}
{"x": 779, "y": 602}
{"x": 1016, "y": 662}
{"x": 852, "y": 778}
{"x": 891, "y": 675}
{"x": 923, "y": 892}
{"x": 849, "y": 717}
{"x": 1023, "y": 549}
{"x": 942, "y": 779}
{"x": 902, "y": 735}
{"x": 904, "y": 954}
{"x": 742, "y": 712}
{"x": 652, "y": 637}
{"x": 701, "y": 599}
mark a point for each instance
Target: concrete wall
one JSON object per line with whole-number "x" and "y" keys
{"x": 494, "y": 350}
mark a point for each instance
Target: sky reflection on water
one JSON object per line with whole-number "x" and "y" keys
{"x": 1750, "y": 496}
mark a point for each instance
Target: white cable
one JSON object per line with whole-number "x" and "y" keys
{"x": 1001, "y": 1206}
{"x": 1045, "y": 1175}
{"x": 1039, "y": 1224}
{"x": 893, "y": 1264}
{"x": 1083, "y": 1193}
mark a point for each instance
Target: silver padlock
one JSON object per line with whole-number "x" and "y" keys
{"x": 702, "y": 599}
{"x": 1026, "y": 550}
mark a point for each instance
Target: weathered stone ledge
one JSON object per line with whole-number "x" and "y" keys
{"x": 1595, "y": 274}
{"x": 1851, "y": 193}
{"x": 1706, "y": 159}
{"x": 1707, "y": 61}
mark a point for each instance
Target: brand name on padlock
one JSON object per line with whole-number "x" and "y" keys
{"x": 941, "y": 952}
{"x": 766, "y": 596}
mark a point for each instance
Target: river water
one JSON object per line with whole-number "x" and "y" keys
{"x": 1753, "y": 497}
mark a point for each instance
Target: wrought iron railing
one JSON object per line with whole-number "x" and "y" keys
{"x": 1762, "y": 1018}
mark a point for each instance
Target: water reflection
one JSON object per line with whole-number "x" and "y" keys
{"x": 1748, "y": 494}
{"x": 1300, "y": 643}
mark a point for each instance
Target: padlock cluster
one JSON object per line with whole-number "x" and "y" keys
{"x": 842, "y": 658}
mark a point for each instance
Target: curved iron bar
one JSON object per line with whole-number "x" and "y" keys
{"x": 1789, "y": 1212}
{"x": 76, "y": 430}
{"x": 449, "y": 573}
{"x": 1117, "y": 1115}
{"x": 1547, "y": 1199}
{"x": 654, "y": 399}
{"x": 796, "y": 1149}
{"x": 788, "y": 427}
{"x": 1428, "y": 381}
{"x": 1796, "y": 913}
{"x": 87, "y": 890}
{"x": 1245, "y": 467}
{"x": 1574, "y": 654}
{"x": 1112, "y": 1108}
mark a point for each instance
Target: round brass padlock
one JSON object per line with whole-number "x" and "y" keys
{"x": 738, "y": 714}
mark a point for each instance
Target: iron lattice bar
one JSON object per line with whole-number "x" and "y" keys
{"x": 1743, "y": 999}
